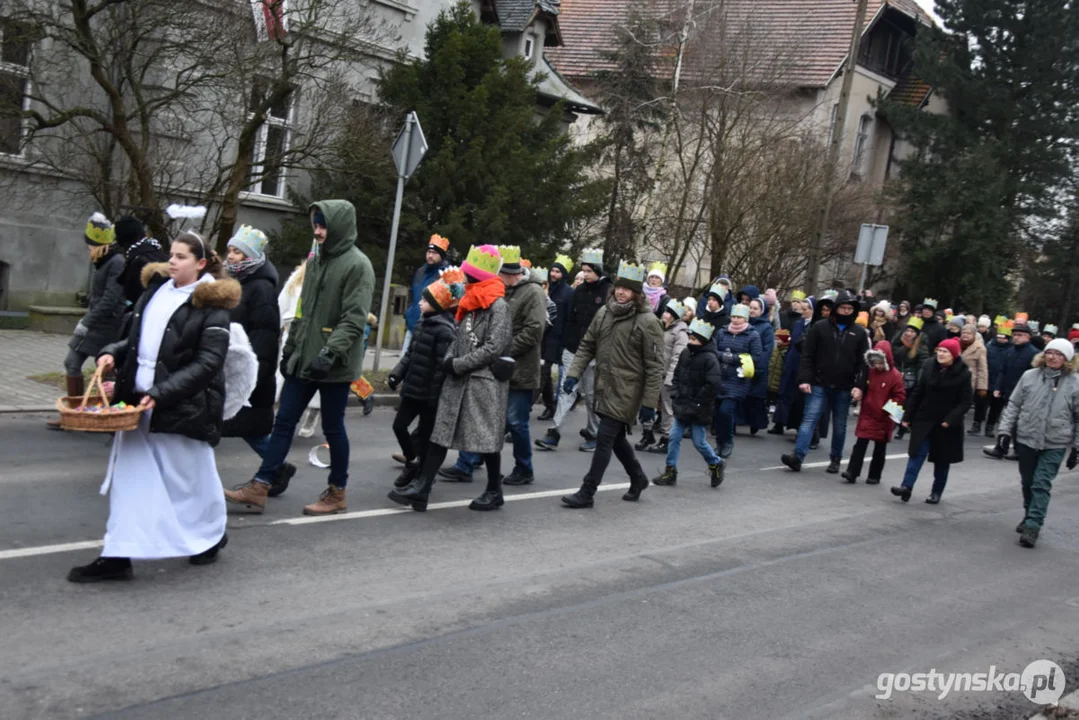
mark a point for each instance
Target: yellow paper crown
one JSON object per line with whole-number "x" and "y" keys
{"x": 797, "y": 295}
{"x": 485, "y": 258}
{"x": 658, "y": 267}
{"x": 916, "y": 322}
{"x": 511, "y": 254}
{"x": 99, "y": 231}
{"x": 592, "y": 256}
{"x": 565, "y": 262}
{"x": 631, "y": 271}
{"x": 700, "y": 327}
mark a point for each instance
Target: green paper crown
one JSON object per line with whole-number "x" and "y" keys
{"x": 592, "y": 256}
{"x": 565, "y": 262}
{"x": 541, "y": 273}
{"x": 660, "y": 267}
{"x": 485, "y": 258}
{"x": 719, "y": 290}
{"x": 797, "y": 295}
{"x": 631, "y": 271}
{"x": 511, "y": 254}
{"x": 1051, "y": 329}
{"x": 677, "y": 309}
{"x": 701, "y": 328}
{"x": 1034, "y": 325}
{"x": 931, "y": 302}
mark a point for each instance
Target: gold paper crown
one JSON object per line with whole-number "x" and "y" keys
{"x": 701, "y": 328}
{"x": 99, "y": 231}
{"x": 660, "y": 267}
{"x": 592, "y": 256}
{"x": 931, "y": 302}
{"x": 511, "y": 254}
{"x": 565, "y": 262}
{"x": 485, "y": 258}
{"x": 631, "y": 271}
{"x": 916, "y": 322}
{"x": 797, "y": 295}
{"x": 677, "y": 308}
{"x": 541, "y": 273}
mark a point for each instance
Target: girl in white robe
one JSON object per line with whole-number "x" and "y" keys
{"x": 165, "y": 496}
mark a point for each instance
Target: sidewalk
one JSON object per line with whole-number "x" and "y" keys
{"x": 25, "y": 352}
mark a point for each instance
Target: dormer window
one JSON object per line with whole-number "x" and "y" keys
{"x": 530, "y": 46}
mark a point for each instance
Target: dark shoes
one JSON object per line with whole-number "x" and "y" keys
{"x": 407, "y": 475}
{"x": 661, "y": 447}
{"x": 902, "y": 492}
{"x": 209, "y": 557}
{"x": 578, "y": 500}
{"x": 489, "y": 500}
{"x": 872, "y": 481}
{"x": 451, "y": 473}
{"x": 850, "y": 478}
{"x": 399, "y": 457}
{"x": 547, "y": 414}
{"x": 1022, "y": 524}
{"x": 1029, "y": 537}
{"x": 975, "y": 428}
{"x": 716, "y": 473}
{"x": 994, "y": 452}
{"x": 726, "y": 450}
{"x": 648, "y": 439}
{"x": 933, "y": 499}
{"x": 588, "y": 437}
{"x": 669, "y": 476}
{"x": 587, "y": 446}
{"x": 281, "y": 479}
{"x": 549, "y": 441}
{"x": 775, "y": 430}
{"x": 636, "y": 487}
{"x": 792, "y": 461}
{"x": 517, "y": 477}
{"x": 102, "y": 569}
{"x": 814, "y": 442}
{"x": 833, "y": 467}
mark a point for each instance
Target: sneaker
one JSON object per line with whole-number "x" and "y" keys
{"x": 716, "y": 471}
{"x": 209, "y": 557}
{"x": 902, "y": 492}
{"x": 669, "y": 476}
{"x": 518, "y": 477}
{"x": 308, "y": 422}
{"x": 452, "y": 473}
{"x": 589, "y": 446}
{"x": 589, "y": 437}
{"x": 1029, "y": 538}
{"x": 792, "y": 461}
{"x": 101, "y": 570}
{"x": 833, "y": 467}
{"x": 281, "y": 479}
{"x": 549, "y": 441}
{"x": 660, "y": 448}
{"x": 248, "y": 498}
{"x": 330, "y": 502}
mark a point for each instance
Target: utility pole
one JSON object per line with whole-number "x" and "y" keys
{"x": 813, "y": 268}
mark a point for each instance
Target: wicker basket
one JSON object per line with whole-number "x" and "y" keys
{"x": 73, "y": 419}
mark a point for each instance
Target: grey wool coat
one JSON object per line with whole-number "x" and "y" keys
{"x": 472, "y": 407}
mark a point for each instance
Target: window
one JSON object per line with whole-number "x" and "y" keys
{"x": 530, "y": 45}
{"x": 14, "y": 80}
{"x": 267, "y": 173}
{"x": 861, "y": 142}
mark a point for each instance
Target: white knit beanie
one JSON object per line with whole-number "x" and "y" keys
{"x": 1063, "y": 347}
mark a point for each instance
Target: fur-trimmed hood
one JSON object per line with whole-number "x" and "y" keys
{"x": 221, "y": 293}
{"x": 881, "y": 351}
{"x": 1069, "y": 367}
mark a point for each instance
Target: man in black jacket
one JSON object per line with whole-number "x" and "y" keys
{"x": 933, "y": 330}
{"x": 832, "y": 372}
{"x": 560, "y": 292}
{"x": 588, "y": 298}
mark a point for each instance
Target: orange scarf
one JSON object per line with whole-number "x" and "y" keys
{"x": 480, "y": 295}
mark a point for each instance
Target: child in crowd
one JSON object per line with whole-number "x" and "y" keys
{"x": 885, "y": 383}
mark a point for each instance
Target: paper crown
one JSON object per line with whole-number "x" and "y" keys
{"x": 676, "y": 308}
{"x": 483, "y": 262}
{"x": 511, "y": 254}
{"x": 1021, "y": 317}
{"x": 541, "y": 274}
{"x": 452, "y": 275}
{"x": 701, "y": 329}
{"x": 1034, "y": 325}
{"x": 565, "y": 262}
{"x": 448, "y": 290}
{"x": 249, "y": 241}
{"x": 797, "y": 295}
{"x": 741, "y": 311}
{"x": 1005, "y": 328}
{"x": 916, "y": 322}
{"x": 1075, "y": 326}
{"x": 592, "y": 256}
{"x": 719, "y": 290}
{"x": 658, "y": 268}
{"x": 862, "y": 319}
{"x": 439, "y": 243}
{"x": 526, "y": 263}
{"x": 999, "y": 320}
{"x": 630, "y": 271}
{"x": 829, "y": 294}
{"x": 929, "y": 302}
{"x": 99, "y": 230}
{"x": 1051, "y": 329}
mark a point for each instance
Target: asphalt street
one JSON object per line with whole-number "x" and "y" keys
{"x": 777, "y": 595}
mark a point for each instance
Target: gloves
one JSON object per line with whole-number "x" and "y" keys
{"x": 727, "y": 357}
{"x": 319, "y": 369}
{"x": 284, "y": 362}
{"x": 447, "y": 367}
{"x": 569, "y": 384}
{"x": 393, "y": 381}
{"x": 1073, "y": 459}
{"x": 648, "y": 415}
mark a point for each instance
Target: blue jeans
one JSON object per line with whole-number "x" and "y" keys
{"x": 259, "y": 444}
{"x": 517, "y": 411}
{"x": 914, "y": 466}
{"x": 295, "y": 394}
{"x": 818, "y": 403}
{"x": 700, "y": 441}
{"x": 725, "y": 408}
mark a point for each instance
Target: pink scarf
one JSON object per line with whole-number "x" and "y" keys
{"x": 654, "y": 294}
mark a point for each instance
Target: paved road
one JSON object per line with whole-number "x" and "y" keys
{"x": 778, "y": 595}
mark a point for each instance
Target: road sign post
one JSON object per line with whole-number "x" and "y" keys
{"x": 872, "y": 239}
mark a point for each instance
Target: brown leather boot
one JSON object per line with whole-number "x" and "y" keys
{"x": 330, "y": 502}
{"x": 248, "y": 498}
{"x": 76, "y": 386}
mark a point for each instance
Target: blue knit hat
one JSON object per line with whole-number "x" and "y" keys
{"x": 250, "y": 242}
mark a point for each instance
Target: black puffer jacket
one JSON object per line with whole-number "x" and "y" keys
{"x": 261, "y": 320}
{"x": 588, "y": 298}
{"x": 834, "y": 359}
{"x": 137, "y": 257}
{"x": 189, "y": 385}
{"x": 105, "y": 314}
{"x": 554, "y": 335}
{"x": 420, "y": 370}
{"x": 697, "y": 379}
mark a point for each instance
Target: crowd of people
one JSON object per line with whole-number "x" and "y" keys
{"x": 487, "y": 340}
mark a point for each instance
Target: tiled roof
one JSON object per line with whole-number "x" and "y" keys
{"x": 514, "y": 15}
{"x": 810, "y": 38}
{"x": 911, "y": 91}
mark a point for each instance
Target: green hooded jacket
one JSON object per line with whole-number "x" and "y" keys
{"x": 334, "y": 301}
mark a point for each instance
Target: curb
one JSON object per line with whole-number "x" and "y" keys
{"x": 27, "y": 408}
{"x": 1068, "y": 702}
{"x": 381, "y": 400}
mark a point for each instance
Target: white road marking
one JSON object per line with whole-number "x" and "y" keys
{"x": 828, "y": 462}
{"x": 50, "y": 549}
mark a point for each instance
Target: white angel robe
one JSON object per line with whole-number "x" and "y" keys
{"x": 165, "y": 498}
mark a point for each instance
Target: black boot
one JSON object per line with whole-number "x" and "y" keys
{"x": 933, "y": 499}
{"x": 1029, "y": 537}
{"x": 669, "y": 476}
{"x": 412, "y": 469}
{"x": 415, "y": 494}
{"x": 900, "y": 433}
{"x": 519, "y": 477}
{"x": 716, "y": 472}
{"x": 648, "y": 439}
{"x": 850, "y": 478}
{"x": 637, "y": 485}
{"x": 776, "y": 429}
{"x": 989, "y": 428}
{"x": 104, "y": 568}
{"x": 547, "y": 414}
{"x": 792, "y": 461}
{"x": 833, "y": 466}
{"x": 975, "y": 428}
{"x": 209, "y": 557}
{"x": 281, "y": 479}
{"x": 661, "y": 447}
{"x": 902, "y": 492}
{"x": 491, "y": 499}
{"x": 583, "y": 497}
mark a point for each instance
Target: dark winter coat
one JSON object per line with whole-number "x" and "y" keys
{"x": 697, "y": 379}
{"x": 994, "y": 355}
{"x": 832, "y": 358}
{"x": 554, "y": 336}
{"x": 137, "y": 257}
{"x": 189, "y": 382}
{"x": 747, "y": 341}
{"x": 759, "y": 387}
{"x": 788, "y": 319}
{"x": 881, "y": 386}
{"x": 528, "y": 315}
{"x": 909, "y": 367}
{"x": 718, "y": 319}
{"x": 420, "y": 370}
{"x": 260, "y": 317}
{"x": 105, "y": 311}
{"x": 628, "y": 351}
{"x": 1016, "y": 361}
{"x": 424, "y": 276}
{"x": 934, "y": 331}
{"x": 588, "y": 298}
{"x": 941, "y": 395}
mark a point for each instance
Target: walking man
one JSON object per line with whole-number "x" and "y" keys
{"x": 435, "y": 262}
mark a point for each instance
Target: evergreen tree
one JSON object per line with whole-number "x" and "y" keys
{"x": 985, "y": 175}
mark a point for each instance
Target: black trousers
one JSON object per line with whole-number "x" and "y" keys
{"x": 436, "y": 455}
{"x": 414, "y": 445}
{"x": 611, "y": 438}
{"x": 996, "y": 407}
{"x": 981, "y": 407}
{"x": 547, "y": 389}
{"x": 857, "y": 456}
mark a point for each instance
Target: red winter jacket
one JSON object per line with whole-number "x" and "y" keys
{"x": 882, "y": 386}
